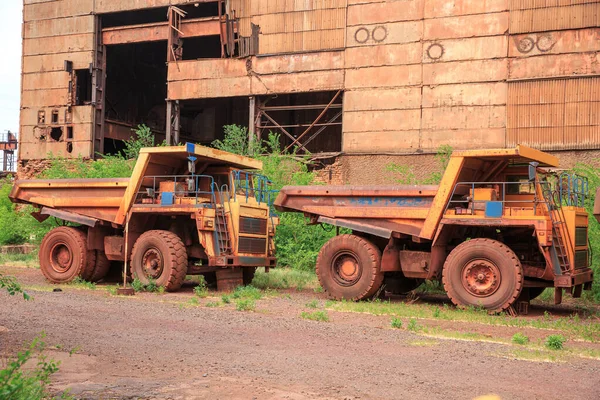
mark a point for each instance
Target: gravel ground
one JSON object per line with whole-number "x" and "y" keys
{"x": 153, "y": 346}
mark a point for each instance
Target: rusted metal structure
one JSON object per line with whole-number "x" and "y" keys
{"x": 349, "y": 78}
{"x": 185, "y": 210}
{"x": 499, "y": 228}
{"x": 8, "y": 146}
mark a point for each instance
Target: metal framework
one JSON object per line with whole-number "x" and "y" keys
{"x": 8, "y": 146}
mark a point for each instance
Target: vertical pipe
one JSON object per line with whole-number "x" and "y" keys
{"x": 251, "y": 120}
{"x": 126, "y": 264}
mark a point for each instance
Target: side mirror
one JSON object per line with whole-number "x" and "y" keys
{"x": 532, "y": 170}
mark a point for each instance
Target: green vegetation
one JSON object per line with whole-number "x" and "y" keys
{"x": 202, "y": 289}
{"x": 247, "y": 292}
{"x": 245, "y": 305}
{"x": 405, "y": 174}
{"x": 19, "y": 382}
{"x": 555, "y": 342}
{"x": 10, "y": 284}
{"x": 285, "y": 278}
{"x": 150, "y": 287}
{"x": 213, "y": 304}
{"x": 312, "y": 304}
{"x": 396, "y": 323}
{"x": 586, "y": 329}
{"x": 315, "y": 316}
{"x": 20, "y": 260}
{"x": 83, "y": 284}
{"x": 413, "y": 326}
{"x": 519, "y": 338}
{"x": 226, "y": 299}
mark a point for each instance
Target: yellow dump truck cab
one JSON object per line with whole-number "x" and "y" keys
{"x": 185, "y": 210}
{"x": 501, "y": 226}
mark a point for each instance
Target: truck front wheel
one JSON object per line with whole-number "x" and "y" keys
{"x": 161, "y": 257}
{"x": 348, "y": 267}
{"x": 483, "y": 273}
{"x": 64, "y": 255}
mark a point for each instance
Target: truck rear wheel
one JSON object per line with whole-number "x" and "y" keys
{"x": 485, "y": 273}
{"x": 63, "y": 254}
{"x": 101, "y": 267}
{"x": 160, "y": 256}
{"x": 348, "y": 267}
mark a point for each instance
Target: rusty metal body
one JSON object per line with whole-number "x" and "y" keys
{"x": 214, "y": 208}
{"x": 483, "y": 194}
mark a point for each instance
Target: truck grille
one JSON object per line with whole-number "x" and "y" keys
{"x": 254, "y": 226}
{"x": 581, "y": 259}
{"x": 581, "y": 236}
{"x": 252, "y": 245}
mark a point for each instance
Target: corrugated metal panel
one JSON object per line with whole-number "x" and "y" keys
{"x": 549, "y": 15}
{"x": 293, "y": 25}
{"x": 554, "y": 114}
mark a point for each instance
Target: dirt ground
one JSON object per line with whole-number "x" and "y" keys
{"x": 161, "y": 347}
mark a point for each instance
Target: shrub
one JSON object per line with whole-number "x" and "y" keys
{"x": 10, "y": 284}
{"x": 519, "y": 338}
{"x": 555, "y": 342}
{"x": 226, "y": 299}
{"x": 396, "y": 323}
{"x": 151, "y": 287}
{"x": 245, "y": 305}
{"x": 202, "y": 289}
{"x": 315, "y": 316}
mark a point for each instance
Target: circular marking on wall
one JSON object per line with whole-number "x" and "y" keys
{"x": 525, "y": 45}
{"x": 545, "y": 43}
{"x": 435, "y": 51}
{"x": 361, "y": 35}
{"x": 379, "y": 33}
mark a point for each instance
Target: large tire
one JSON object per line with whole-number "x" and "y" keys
{"x": 348, "y": 267}
{"x": 160, "y": 256}
{"x": 483, "y": 273}
{"x": 101, "y": 267}
{"x": 63, "y": 254}
{"x": 248, "y": 275}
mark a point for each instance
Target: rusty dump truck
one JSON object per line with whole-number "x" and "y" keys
{"x": 185, "y": 210}
{"x": 502, "y": 226}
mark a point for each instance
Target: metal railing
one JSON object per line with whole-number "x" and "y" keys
{"x": 254, "y": 185}
{"x": 183, "y": 186}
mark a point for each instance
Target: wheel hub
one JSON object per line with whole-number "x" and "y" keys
{"x": 61, "y": 257}
{"x": 481, "y": 278}
{"x": 152, "y": 263}
{"x": 346, "y": 269}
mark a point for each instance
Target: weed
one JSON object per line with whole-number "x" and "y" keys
{"x": 519, "y": 338}
{"x": 226, "y": 299}
{"x": 436, "y": 312}
{"x": 202, "y": 289}
{"x": 396, "y": 323}
{"x": 413, "y": 326}
{"x": 213, "y": 304}
{"x": 10, "y": 284}
{"x": 245, "y": 305}
{"x": 80, "y": 282}
{"x": 137, "y": 285}
{"x": 194, "y": 301}
{"x": 112, "y": 290}
{"x": 555, "y": 342}
{"x": 150, "y": 287}
{"x": 18, "y": 382}
{"x": 285, "y": 278}
{"x": 312, "y": 304}
{"x": 315, "y": 316}
{"x": 247, "y": 292}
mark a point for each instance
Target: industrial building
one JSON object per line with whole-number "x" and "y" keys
{"x": 357, "y": 83}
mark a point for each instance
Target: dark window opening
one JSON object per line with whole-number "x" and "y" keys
{"x": 41, "y": 117}
{"x": 113, "y": 146}
{"x": 69, "y": 147}
{"x": 69, "y": 133}
{"x": 83, "y": 90}
{"x": 55, "y": 116}
{"x": 151, "y": 15}
{"x": 202, "y": 120}
{"x": 56, "y": 134}
{"x": 202, "y": 47}
{"x": 136, "y": 86}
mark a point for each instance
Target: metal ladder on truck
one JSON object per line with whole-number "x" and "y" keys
{"x": 222, "y": 239}
{"x": 560, "y": 253}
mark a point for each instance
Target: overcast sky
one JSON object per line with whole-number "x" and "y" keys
{"x": 11, "y": 16}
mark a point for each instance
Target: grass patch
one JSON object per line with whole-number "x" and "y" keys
{"x": 201, "y": 290}
{"x": 82, "y": 284}
{"x": 312, "y": 304}
{"x": 315, "y": 316}
{"x": 245, "y": 305}
{"x": 413, "y": 326}
{"x": 20, "y": 260}
{"x": 285, "y": 278}
{"x": 150, "y": 287}
{"x": 247, "y": 292}
{"x": 555, "y": 342}
{"x": 213, "y": 304}
{"x": 226, "y": 299}
{"x": 535, "y": 355}
{"x": 586, "y": 329}
{"x": 423, "y": 343}
{"x": 396, "y": 323}
{"x": 519, "y": 338}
